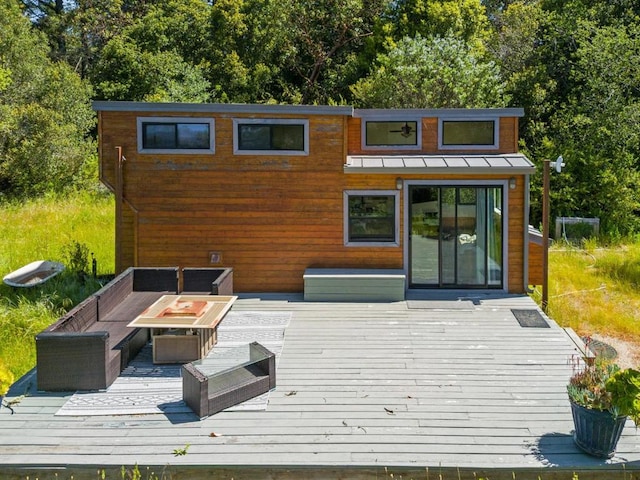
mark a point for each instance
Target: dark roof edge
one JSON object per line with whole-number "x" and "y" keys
{"x": 220, "y": 108}
{"x": 174, "y": 107}
{"x": 445, "y": 113}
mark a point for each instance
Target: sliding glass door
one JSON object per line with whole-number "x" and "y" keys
{"x": 455, "y": 239}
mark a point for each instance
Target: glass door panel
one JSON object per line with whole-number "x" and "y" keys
{"x": 456, "y": 237}
{"x": 469, "y": 262}
{"x": 449, "y": 225}
{"x": 494, "y": 236}
{"x": 423, "y": 236}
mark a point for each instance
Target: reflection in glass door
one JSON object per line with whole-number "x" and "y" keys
{"x": 456, "y": 236}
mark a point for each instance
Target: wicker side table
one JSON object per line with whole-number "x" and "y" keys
{"x": 223, "y": 380}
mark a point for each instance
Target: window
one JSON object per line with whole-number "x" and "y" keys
{"x": 175, "y": 135}
{"x": 389, "y": 134}
{"x": 468, "y": 133}
{"x": 271, "y": 136}
{"x": 371, "y": 218}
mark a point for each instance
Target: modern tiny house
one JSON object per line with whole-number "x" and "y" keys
{"x": 274, "y": 190}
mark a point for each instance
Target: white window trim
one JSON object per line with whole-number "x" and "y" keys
{"x": 496, "y": 133}
{"x": 186, "y": 151}
{"x": 270, "y": 121}
{"x": 363, "y": 133}
{"x": 385, "y": 193}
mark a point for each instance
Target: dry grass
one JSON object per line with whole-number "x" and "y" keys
{"x": 595, "y": 290}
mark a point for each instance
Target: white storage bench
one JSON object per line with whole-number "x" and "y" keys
{"x": 354, "y": 285}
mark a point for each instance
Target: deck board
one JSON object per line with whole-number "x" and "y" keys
{"x": 359, "y": 385}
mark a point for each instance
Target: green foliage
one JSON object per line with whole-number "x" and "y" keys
{"x": 127, "y": 72}
{"x": 436, "y": 72}
{"x": 318, "y": 49}
{"x": 179, "y": 452}
{"x": 603, "y": 386}
{"x": 6, "y": 379}
{"x": 45, "y": 115}
{"x": 463, "y": 19}
{"x": 624, "y": 387}
{"x": 76, "y": 257}
{"x": 43, "y": 229}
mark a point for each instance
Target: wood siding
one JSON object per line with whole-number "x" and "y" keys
{"x": 269, "y": 217}
{"x": 508, "y": 139}
{"x": 535, "y": 264}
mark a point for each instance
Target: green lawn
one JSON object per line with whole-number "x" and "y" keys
{"x": 49, "y": 229}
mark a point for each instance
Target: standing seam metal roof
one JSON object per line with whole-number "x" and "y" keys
{"x": 513, "y": 163}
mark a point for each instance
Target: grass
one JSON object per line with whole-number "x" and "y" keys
{"x": 595, "y": 290}
{"x": 48, "y": 229}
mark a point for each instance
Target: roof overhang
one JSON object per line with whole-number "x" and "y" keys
{"x": 224, "y": 108}
{"x": 504, "y": 164}
{"x": 447, "y": 113}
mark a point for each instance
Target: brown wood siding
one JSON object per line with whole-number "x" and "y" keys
{"x": 535, "y": 264}
{"x": 125, "y": 240}
{"x": 269, "y": 216}
{"x": 517, "y": 229}
{"x": 508, "y": 139}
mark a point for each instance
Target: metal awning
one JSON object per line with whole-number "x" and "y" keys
{"x": 509, "y": 164}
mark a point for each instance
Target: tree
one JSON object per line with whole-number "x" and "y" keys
{"x": 245, "y": 61}
{"x": 323, "y": 38}
{"x": 45, "y": 114}
{"x": 126, "y": 72}
{"x": 438, "y": 72}
{"x": 463, "y": 19}
{"x": 157, "y": 57}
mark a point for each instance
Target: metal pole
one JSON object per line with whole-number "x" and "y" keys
{"x": 545, "y": 235}
{"x": 119, "y": 193}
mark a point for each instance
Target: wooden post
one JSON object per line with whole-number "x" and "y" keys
{"x": 545, "y": 235}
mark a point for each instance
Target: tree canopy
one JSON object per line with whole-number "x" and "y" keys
{"x": 45, "y": 114}
{"x": 573, "y": 65}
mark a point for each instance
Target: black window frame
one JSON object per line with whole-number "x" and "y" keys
{"x": 300, "y": 128}
{"x": 351, "y": 220}
{"x": 176, "y": 144}
{"x": 442, "y": 141}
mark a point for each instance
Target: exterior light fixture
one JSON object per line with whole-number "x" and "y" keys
{"x": 512, "y": 183}
{"x": 398, "y": 183}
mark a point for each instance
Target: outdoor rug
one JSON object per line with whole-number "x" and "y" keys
{"x": 145, "y": 388}
{"x": 530, "y": 318}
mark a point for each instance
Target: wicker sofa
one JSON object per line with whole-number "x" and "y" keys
{"x": 207, "y": 281}
{"x": 88, "y": 347}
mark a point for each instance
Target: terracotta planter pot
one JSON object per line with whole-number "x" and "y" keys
{"x": 596, "y": 432}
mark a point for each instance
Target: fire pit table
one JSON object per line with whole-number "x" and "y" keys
{"x": 183, "y": 327}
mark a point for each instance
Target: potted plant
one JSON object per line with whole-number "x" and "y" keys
{"x": 602, "y": 397}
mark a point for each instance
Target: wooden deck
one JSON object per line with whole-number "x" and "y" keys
{"x": 423, "y": 387}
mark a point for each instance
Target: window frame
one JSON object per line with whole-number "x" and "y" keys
{"x": 363, "y": 133}
{"x": 493, "y": 146}
{"x": 371, "y": 193}
{"x": 176, "y": 121}
{"x": 270, "y": 121}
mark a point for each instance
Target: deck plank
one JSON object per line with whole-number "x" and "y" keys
{"x": 359, "y": 385}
